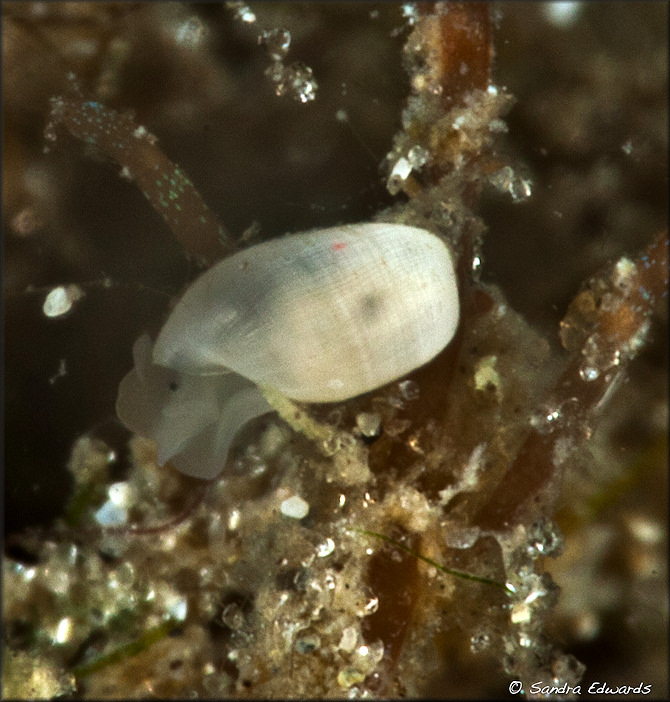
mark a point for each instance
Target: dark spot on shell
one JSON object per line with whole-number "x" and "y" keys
{"x": 370, "y": 306}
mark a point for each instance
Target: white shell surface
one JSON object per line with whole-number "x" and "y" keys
{"x": 321, "y": 316}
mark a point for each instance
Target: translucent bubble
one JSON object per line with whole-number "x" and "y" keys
{"x": 233, "y": 616}
{"x": 599, "y": 356}
{"x": 545, "y": 539}
{"x": 409, "y": 390}
{"x": 508, "y": 181}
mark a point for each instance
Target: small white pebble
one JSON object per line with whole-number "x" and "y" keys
{"x": 402, "y": 168}
{"x": 111, "y": 515}
{"x": 326, "y": 548}
{"x": 119, "y": 494}
{"x": 177, "y": 607}
{"x": 63, "y": 630}
{"x": 60, "y": 300}
{"x": 234, "y": 519}
{"x": 295, "y": 507}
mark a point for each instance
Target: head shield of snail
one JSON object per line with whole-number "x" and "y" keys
{"x": 322, "y": 317}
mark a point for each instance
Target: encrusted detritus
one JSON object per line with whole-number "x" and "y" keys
{"x": 434, "y": 523}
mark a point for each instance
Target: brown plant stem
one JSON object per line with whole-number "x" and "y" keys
{"x": 162, "y": 182}
{"x": 618, "y": 327}
{"x": 452, "y": 34}
{"x": 464, "y": 39}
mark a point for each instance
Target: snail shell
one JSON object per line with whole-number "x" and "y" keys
{"x": 322, "y": 317}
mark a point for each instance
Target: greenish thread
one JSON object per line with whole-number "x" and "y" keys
{"x": 149, "y": 638}
{"x": 430, "y": 561}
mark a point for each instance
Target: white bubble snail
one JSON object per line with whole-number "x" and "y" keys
{"x": 322, "y": 317}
